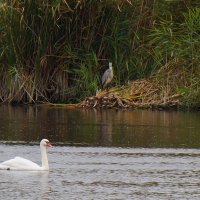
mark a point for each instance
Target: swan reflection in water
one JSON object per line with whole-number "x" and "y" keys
{"x": 15, "y": 184}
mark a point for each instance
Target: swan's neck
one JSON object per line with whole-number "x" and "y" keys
{"x": 45, "y": 163}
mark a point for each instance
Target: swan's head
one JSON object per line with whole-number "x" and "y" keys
{"x": 45, "y": 143}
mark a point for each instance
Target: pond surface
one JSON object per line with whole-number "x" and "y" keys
{"x": 101, "y": 154}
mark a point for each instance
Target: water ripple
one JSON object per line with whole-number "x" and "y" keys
{"x": 104, "y": 173}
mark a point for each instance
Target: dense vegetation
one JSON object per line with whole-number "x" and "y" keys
{"x": 57, "y": 50}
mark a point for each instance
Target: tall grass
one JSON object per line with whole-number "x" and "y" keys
{"x": 61, "y": 46}
{"x": 57, "y": 50}
{"x": 176, "y": 44}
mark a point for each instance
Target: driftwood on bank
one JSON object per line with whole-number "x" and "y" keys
{"x": 137, "y": 94}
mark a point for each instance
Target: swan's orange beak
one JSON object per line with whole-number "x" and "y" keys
{"x": 49, "y": 144}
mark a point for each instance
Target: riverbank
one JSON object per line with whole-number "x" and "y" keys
{"x": 137, "y": 94}
{"x": 172, "y": 87}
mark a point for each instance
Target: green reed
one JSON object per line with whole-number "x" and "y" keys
{"x": 57, "y": 50}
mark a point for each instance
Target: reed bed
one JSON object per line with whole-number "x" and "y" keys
{"x": 56, "y": 51}
{"x": 50, "y": 50}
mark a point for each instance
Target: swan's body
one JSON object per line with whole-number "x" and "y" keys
{"x": 19, "y": 163}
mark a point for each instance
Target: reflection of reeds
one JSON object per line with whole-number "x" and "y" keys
{"x": 55, "y": 50}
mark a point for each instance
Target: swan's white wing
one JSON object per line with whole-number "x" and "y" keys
{"x": 19, "y": 163}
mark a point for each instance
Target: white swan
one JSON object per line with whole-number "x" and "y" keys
{"x": 19, "y": 163}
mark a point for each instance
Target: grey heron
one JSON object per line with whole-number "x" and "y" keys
{"x": 107, "y": 76}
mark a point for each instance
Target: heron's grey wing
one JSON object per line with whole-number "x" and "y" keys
{"x": 105, "y": 76}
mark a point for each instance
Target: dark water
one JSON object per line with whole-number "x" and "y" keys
{"x": 153, "y": 129}
{"x": 101, "y": 154}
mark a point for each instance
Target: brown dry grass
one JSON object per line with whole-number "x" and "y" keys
{"x": 137, "y": 94}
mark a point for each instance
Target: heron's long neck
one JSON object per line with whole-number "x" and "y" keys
{"x": 111, "y": 70}
{"x": 45, "y": 163}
